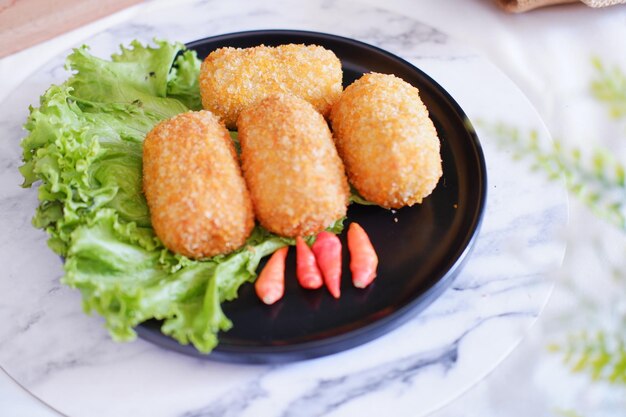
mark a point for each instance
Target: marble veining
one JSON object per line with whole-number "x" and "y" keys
{"x": 330, "y": 394}
{"x": 67, "y": 359}
{"x": 233, "y": 403}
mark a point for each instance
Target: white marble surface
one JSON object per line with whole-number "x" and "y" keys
{"x": 67, "y": 360}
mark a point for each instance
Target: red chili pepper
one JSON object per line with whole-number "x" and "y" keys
{"x": 363, "y": 258}
{"x": 327, "y": 250}
{"x": 307, "y": 271}
{"x": 270, "y": 285}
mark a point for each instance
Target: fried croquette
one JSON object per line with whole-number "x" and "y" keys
{"x": 231, "y": 79}
{"x": 198, "y": 200}
{"x": 296, "y": 179}
{"x": 386, "y": 140}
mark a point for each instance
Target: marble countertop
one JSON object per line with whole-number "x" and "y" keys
{"x": 470, "y": 329}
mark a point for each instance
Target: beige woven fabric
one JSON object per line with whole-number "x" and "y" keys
{"x": 517, "y": 6}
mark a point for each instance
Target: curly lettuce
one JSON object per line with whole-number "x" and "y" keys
{"x": 84, "y": 150}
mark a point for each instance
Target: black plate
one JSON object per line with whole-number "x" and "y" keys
{"x": 421, "y": 248}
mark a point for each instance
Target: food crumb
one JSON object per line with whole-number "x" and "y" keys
{"x": 393, "y": 211}
{"x": 395, "y": 219}
{"x": 455, "y": 206}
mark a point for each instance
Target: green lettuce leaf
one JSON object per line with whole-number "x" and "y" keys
{"x": 125, "y": 275}
{"x": 183, "y": 80}
{"x": 356, "y": 198}
{"x": 84, "y": 148}
{"x": 136, "y": 76}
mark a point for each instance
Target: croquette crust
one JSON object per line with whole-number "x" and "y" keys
{"x": 387, "y": 142}
{"x": 295, "y": 176}
{"x": 231, "y": 79}
{"x": 198, "y": 200}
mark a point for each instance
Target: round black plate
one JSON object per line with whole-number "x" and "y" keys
{"x": 421, "y": 248}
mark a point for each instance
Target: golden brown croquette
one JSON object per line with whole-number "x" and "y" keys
{"x": 296, "y": 179}
{"x": 231, "y": 79}
{"x": 386, "y": 140}
{"x": 198, "y": 200}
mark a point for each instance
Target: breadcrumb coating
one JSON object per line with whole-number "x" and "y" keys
{"x": 231, "y": 79}
{"x": 386, "y": 140}
{"x": 198, "y": 200}
{"x": 295, "y": 176}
